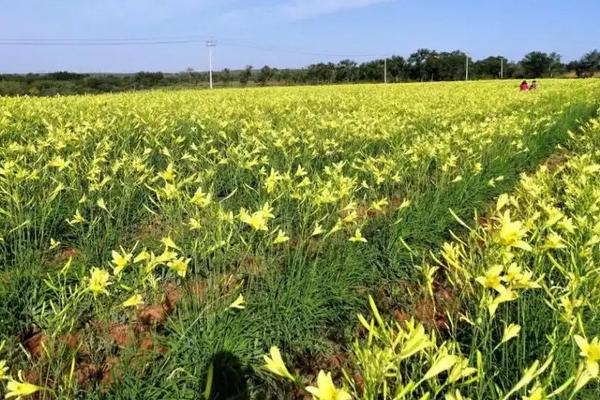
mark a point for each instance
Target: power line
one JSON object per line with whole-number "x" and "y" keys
{"x": 51, "y": 42}
{"x": 98, "y": 43}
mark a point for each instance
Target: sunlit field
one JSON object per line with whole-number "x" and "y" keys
{"x": 409, "y": 241}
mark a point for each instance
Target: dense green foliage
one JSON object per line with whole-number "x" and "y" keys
{"x": 242, "y": 219}
{"x": 423, "y": 65}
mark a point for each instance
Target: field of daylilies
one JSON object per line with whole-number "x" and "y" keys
{"x": 413, "y": 241}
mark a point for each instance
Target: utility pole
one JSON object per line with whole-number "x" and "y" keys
{"x": 467, "y": 69}
{"x": 210, "y": 44}
{"x": 501, "y": 68}
{"x": 385, "y": 70}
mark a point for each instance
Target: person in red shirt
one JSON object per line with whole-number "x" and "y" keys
{"x": 524, "y": 86}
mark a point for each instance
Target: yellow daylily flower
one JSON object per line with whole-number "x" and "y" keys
{"x": 326, "y": 390}
{"x": 54, "y": 244}
{"x": 180, "y": 266}
{"x": 510, "y": 332}
{"x": 511, "y": 233}
{"x": 275, "y": 364}
{"x": 169, "y": 243}
{"x": 194, "y": 224}
{"x": 98, "y": 281}
{"x": 120, "y": 261}
{"x": 318, "y": 230}
{"x": 257, "y": 220}
{"x": 358, "y": 237}
{"x": 554, "y": 241}
{"x": 238, "y": 303}
{"x": 492, "y": 278}
{"x": 537, "y": 393}
{"x": 443, "y": 363}
{"x": 504, "y": 296}
{"x": 281, "y": 237}
{"x": 77, "y": 218}
{"x": 591, "y": 352}
{"x": 20, "y": 388}
{"x": 3, "y": 369}
{"x": 133, "y": 301}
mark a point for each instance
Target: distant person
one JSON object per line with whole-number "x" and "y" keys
{"x": 524, "y": 86}
{"x": 533, "y": 86}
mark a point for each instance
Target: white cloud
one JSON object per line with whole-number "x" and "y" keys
{"x": 290, "y": 10}
{"x": 302, "y": 9}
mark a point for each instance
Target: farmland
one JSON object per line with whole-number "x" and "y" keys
{"x": 157, "y": 245}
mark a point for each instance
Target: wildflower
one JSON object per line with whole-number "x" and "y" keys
{"x": 524, "y": 281}
{"x": 554, "y": 241}
{"x": 238, "y": 303}
{"x": 3, "y": 369}
{"x": 451, "y": 253}
{"x": 143, "y": 256}
{"x": 567, "y": 225}
{"x": 358, "y": 237}
{"x": 336, "y": 227}
{"x": 166, "y": 256}
{"x": 591, "y": 352}
{"x": 194, "y": 224}
{"x": 54, "y": 244}
{"x": 502, "y": 201}
{"x": 513, "y": 273}
{"x": 120, "y": 261}
{"x": 170, "y": 191}
{"x": 404, "y": 205}
{"x": 492, "y": 278}
{"x": 351, "y": 217}
{"x": 133, "y": 301}
{"x": 77, "y": 218}
{"x": 259, "y": 219}
{"x": 318, "y": 230}
{"x": 443, "y": 362}
{"x": 326, "y": 390}
{"x": 168, "y": 174}
{"x": 180, "y": 266}
{"x": 460, "y": 370}
{"x": 225, "y": 216}
{"x": 201, "y": 199}
{"x": 20, "y": 388}
{"x": 169, "y": 243}
{"x": 379, "y": 205}
{"x": 98, "y": 281}
{"x": 510, "y": 332}
{"x": 271, "y": 180}
{"x": 512, "y": 232}
{"x": 275, "y": 365}
{"x": 102, "y": 204}
{"x": 416, "y": 341}
{"x": 537, "y": 393}
{"x": 454, "y": 396}
{"x": 554, "y": 216}
{"x": 59, "y": 163}
{"x": 504, "y": 296}
{"x": 281, "y": 237}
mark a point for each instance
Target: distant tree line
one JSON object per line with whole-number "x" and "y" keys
{"x": 423, "y": 65}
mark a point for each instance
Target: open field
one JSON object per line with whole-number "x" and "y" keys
{"x": 157, "y": 245}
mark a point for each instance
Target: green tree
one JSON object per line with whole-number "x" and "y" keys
{"x": 226, "y": 76}
{"x": 264, "y": 75}
{"x": 346, "y": 71}
{"x": 537, "y": 63}
{"x": 245, "y": 75}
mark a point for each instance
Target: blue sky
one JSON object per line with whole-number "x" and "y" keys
{"x": 286, "y": 33}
